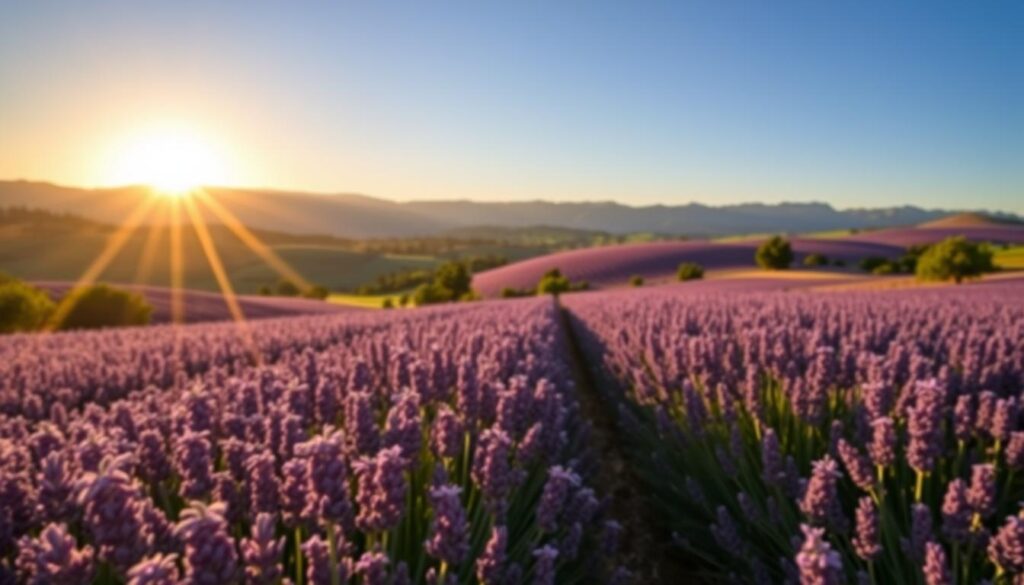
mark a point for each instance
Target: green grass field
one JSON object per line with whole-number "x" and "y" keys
{"x": 1010, "y": 259}
{"x": 366, "y": 301}
{"x": 64, "y": 254}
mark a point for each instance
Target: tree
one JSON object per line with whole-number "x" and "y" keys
{"x": 870, "y": 263}
{"x": 387, "y": 304}
{"x": 774, "y": 254}
{"x": 553, "y": 283}
{"x": 428, "y": 294}
{"x": 636, "y": 280}
{"x": 22, "y": 307}
{"x": 103, "y": 306}
{"x": 815, "y": 260}
{"x": 455, "y": 278}
{"x": 954, "y": 259}
{"x": 287, "y": 288}
{"x": 316, "y": 292}
{"x": 689, "y": 271}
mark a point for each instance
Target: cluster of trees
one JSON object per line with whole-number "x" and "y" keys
{"x": 553, "y": 282}
{"x": 287, "y": 288}
{"x": 407, "y": 279}
{"x": 24, "y": 308}
{"x": 452, "y": 281}
{"x": 955, "y": 258}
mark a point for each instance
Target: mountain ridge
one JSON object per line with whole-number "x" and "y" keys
{"x": 363, "y": 216}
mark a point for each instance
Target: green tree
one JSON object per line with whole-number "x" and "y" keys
{"x": 103, "y": 306}
{"x": 287, "y": 288}
{"x": 774, "y": 254}
{"x": 429, "y": 294}
{"x": 954, "y": 259}
{"x": 316, "y": 292}
{"x": 455, "y": 278}
{"x": 22, "y": 307}
{"x": 553, "y": 283}
{"x": 689, "y": 271}
{"x": 636, "y": 280}
{"x": 815, "y": 260}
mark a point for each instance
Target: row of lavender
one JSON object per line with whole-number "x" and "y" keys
{"x": 792, "y": 437}
{"x": 440, "y": 446}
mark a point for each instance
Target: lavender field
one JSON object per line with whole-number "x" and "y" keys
{"x": 772, "y": 435}
{"x": 868, "y": 438}
{"x": 443, "y": 446}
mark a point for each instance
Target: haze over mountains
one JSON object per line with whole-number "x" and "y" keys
{"x": 359, "y": 216}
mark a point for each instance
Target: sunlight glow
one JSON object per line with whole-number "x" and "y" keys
{"x": 174, "y": 159}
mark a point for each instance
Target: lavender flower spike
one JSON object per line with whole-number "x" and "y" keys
{"x": 449, "y": 531}
{"x": 209, "y": 550}
{"x": 262, "y": 552}
{"x": 818, "y": 563}
{"x": 54, "y": 558}
{"x": 936, "y": 570}
{"x": 820, "y": 499}
{"x": 159, "y": 569}
{"x": 490, "y": 567}
{"x": 867, "y": 541}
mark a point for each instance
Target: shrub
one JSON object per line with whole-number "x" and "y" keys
{"x": 689, "y": 271}
{"x": 428, "y": 294}
{"x": 103, "y": 306}
{"x": 514, "y": 293}
{"x": 287, "y": 288}
{"x": 265, "y": 291}
{"x": 871, "y": 262}
{"x": 554, "y": 283}
{"x": 387, "y": 304}
{"x": 885, "y": 268}
{"x": 636, "y": 280}
{"x": 22, "y": 307}
{"x": 954, "y": 259}
{"x": 816, "y": 260}
{"x": 774, "y": 254}
{"x": 316, "y": 292}
{"x": 453, "y": 277}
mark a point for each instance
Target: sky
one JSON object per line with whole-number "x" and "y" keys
{"x": 858, "y": 104}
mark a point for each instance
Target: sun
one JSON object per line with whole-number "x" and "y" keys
{"x": 172, "y": 159}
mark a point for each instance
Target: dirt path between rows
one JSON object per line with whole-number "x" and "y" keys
{"x": 644, "y": 549}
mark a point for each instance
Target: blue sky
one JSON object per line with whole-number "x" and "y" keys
{"x": 853, "y": 103}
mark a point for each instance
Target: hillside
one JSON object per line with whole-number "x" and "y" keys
{"x": 358, "y": 216}
{"x": 611, "y": 266}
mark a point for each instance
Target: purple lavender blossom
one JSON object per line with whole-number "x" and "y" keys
{"x": 56, "y": 488}
{"x": 818, "y": 563}
{"x": 1015, "y": 451}
{"x": 883, "y": 442}
{"x": 956, "y": 512}
{"x": 328, "y": 477}
{"x": 1006, "y": 549}
{"x": 544, "y": 565}
{"x": 491, "y": 470}
{"x": 936, "y": 569}
{"x": 820, "y": 498}
{"x": 726, "y": 533}
{"x": 381, "y": 489}
{"x": 159, "y": 569}
{"x": 920, "y": 532}
{"x": 982, "y": 493}
{"x": 857, "y": 466}
{"x": 261, "y": 553}
{"x": 372, "y": 566}
{"x": 771, "y": 459}
{"x": 403, "y": 426}
{"x": 262, "y": 485}
{"x": 318, "y": 570}
{"x": 294, "y": 492}
{"x": 1004, "y": 419}
{"x": 360, "y": 428}
{"x": 195, "y": 465}
{"x": 54, "y": 557}
{"x": 111, "y": 502}
{"x": 209, "y": 551}
{"x": 924, "y": 427}
{"x": 559, "y": 485}
{"x": 963, "y": 417}
{"x": 449, "y": 529}
{"x": 490, "y": 565}
{"x": 447, "y": 434}
{"x": 867, "y": 540}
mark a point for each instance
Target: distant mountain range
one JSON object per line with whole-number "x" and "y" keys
{"x": 359, "y": 216}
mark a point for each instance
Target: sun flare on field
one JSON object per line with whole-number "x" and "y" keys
{"x": 172, "y": 159}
